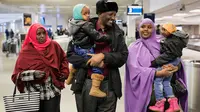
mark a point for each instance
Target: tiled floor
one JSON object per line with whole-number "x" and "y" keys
{"x": 67, "y": 103}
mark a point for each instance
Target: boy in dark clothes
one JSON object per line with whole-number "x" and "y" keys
{"x": 84, "y": 36}
{"x": 171, "y": 52}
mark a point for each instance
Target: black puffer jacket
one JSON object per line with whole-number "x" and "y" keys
{"x": 84, "y": 34}
{"x": 114, "y": 59}
{"x": 171, "y": 48}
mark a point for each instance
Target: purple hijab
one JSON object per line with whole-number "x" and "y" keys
{"x": 139, "y": 76}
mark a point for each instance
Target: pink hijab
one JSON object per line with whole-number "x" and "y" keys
{"x": 31, "y": 37}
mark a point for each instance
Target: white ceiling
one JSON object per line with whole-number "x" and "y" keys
{"x": 52, "y": 7}
{"x": 64, "y": 7}
{"x": 9, "y": 17}
{"x": 56, "y": 6}
{"x": 173, "y": 14}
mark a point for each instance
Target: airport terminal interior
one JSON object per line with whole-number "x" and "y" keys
{"x": 16, "y": 17}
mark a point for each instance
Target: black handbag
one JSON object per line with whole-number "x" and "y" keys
{"x": 178, "y": 87}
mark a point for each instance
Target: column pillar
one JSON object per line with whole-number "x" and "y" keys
{"x": 131, "y": 29}
{"x": 146, "y": 6}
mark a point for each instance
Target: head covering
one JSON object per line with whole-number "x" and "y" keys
{"x": 152, "y": 42}
{"x": 171, "y": 28}
{"x": 103, "y": 6}
{"x": 31, "y": 37}
{"x": 77, "y": 11}
{"x": 139, "y": 75}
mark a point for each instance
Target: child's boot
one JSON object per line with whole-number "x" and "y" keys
{"x": 72, "y": 70}
{"x": 96, "y": 82}
{"x": 174, "y": 107}
{"x": 159, "y": 106}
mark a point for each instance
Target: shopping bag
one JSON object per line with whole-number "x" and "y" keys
{"x": 24, "y": 102}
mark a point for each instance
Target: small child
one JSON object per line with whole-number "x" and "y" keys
{"x": 84, "y": 36}
{"x": 171, "y": 52}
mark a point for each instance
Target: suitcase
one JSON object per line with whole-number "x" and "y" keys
{"x": 4, "y": 47}
{"x": 13, "y": 48}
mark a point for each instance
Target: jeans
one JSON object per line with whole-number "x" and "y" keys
{"x": 83, "y": 52}
{"x": 161, "y": 84}
{"x": 164, "y": 83}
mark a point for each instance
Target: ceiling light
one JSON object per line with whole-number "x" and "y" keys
{"x": 58, "y": 15}
{"x": 52, "y": 10}
{"x": 196, "y": 10}
{"x": 159, "y": 19}
{"x": 58, "y": 10}
{"x": 167, "y": 17}
{"x": 64, "y": 7}
{"x": 180, "y": 14}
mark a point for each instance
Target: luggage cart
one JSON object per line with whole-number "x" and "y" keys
{"x": 12, "y": 46}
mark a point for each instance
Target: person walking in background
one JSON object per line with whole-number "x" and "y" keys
{"x": 158, "y": 29}
{"x": 43, "y": 65}
{"x": 7, "y": 34}
{"x": 140, "y": 75}
{"x": 50, "y": 33}
{"x": 11, "y": 33}
{"x": 109, "y": 56}
{"x": 84, "y": 36}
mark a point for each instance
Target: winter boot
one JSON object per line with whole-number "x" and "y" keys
{"x": 159, "y": 106}
{"x": 72, "y": 70}
{"x": 174, "y": 107}
{"x": 96, "y": 82}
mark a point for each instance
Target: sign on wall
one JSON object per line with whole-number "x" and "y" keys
{"x": 27, "y": 20}
{"x": 134, "y": 10}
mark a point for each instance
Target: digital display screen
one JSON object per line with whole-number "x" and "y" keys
{"x": 134, "y": 10}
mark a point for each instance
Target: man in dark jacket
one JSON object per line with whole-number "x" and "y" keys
{"x": 84, "y": 36}
{"x": 113, "y": 55}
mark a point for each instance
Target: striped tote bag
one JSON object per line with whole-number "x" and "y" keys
{"x": 24, "y": 102}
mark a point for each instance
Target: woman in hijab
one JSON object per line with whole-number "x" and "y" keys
{"x": 42, "y": 65}
{"x": 140, "y": 76}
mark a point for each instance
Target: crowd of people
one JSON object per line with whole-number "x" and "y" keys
{"x": 91, "y": 65}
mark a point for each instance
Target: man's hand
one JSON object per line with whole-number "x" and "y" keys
{"x": 96, "y": 59}
{"x": 101, "y": 65}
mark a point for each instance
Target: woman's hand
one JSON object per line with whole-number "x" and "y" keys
{"x": 164, "y": 72}
{"x": 171, "y": 67}
{"x": 96, "y": 59}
